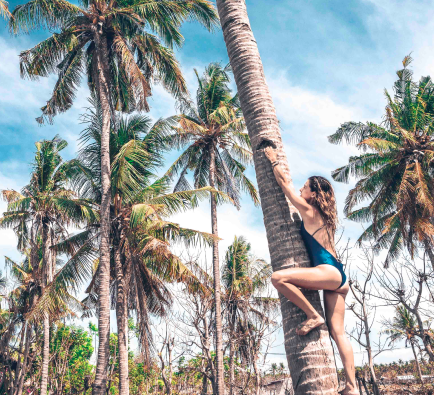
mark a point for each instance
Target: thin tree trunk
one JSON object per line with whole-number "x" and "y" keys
{"x": 220, "y": 384}
{"x": 257, "y": 377}
{"x": 122, "y": 322}
{"x": 375, "y": 388}
{"x": 231, "y": 364}
{"x": 418, "y": 370}
{"x": 359, "y": 382}
{"x": 310, "y": 358}
{"x": 422, "y": 334}
{"x": 204, "y": 385}
{"x": 232, "y": 315}
{"x": 26, "y": 362}
{"x": 99, "y": 385}
{"x": 429, "y": 252}
{"x": 19, "y": 364}
{"x": 47, "y": 278}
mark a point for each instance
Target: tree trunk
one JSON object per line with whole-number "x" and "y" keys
{"x": 418, "y": 370}
{"x": 26, "y": 363}
{"x": 231, "y": 365}
{"x": 99, "y": 385}
{"x": 257, "y": 377}
{"x": 232, "y": 345}
{"x": 204, "y": 385}
{"x": 14, "y": 383}
{"x": 220, "y": 384}
{"x": 47, "y": 278}
{"x": 422, "y": 334}
{"x": 122, "y": 323}
{"x": 375, "y": 388}
{"x": 310, "y": 358}
{"x": 429, "y": 252}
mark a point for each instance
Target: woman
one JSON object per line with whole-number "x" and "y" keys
{"x": 317, "y": 208}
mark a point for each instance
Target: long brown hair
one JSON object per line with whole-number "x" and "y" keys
{"x": 325, "y": 201}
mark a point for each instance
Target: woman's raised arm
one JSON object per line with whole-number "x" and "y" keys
{"x": 299, "y": 202}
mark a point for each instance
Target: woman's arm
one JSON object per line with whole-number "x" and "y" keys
{"x": 299, "y": 202}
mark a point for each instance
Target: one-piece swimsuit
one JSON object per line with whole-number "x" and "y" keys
{"x": 318, "y": 254}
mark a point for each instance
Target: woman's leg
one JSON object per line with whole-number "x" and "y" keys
{"x": 334, "y": 303}
{"x": 287, "y": 282}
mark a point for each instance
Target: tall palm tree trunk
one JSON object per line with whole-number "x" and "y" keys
{"x": 19, "y": 363}
{"x": 122, "y": 323}
{"x": 220, "y": 384}
{"x": 26, "y": 363}
{"x": 418, "y": 369}
{"x": 310, "y": 358}
{"x": 231, "y": 364}
{"x": 232, "y": 316}
{"x": 47, "y": 278}
{"x": 99, "y": 385}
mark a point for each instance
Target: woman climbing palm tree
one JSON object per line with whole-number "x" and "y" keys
{"x": 317, "y": 207}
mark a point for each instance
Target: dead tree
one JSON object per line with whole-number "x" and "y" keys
{"x": 364, "y": 310}
{"x": 405, "y": 283}
{"x": 197, "y": 329}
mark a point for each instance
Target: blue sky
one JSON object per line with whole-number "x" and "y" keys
{"x": 326, "y": 62}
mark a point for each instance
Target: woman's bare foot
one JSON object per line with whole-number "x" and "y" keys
{"x": 311, "y": 323}
{"x": 349, "y": 391}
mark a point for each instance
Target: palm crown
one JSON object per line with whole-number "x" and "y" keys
{"x": 46, "y": 201}
{"x": 243, "y": 274}
{"x": 140, "y": 207}
{"x": 135, "y": 32}
{"x": 395, "y": 170}
{"x": 402, "y": 326}
{"x": 214, "y": 123}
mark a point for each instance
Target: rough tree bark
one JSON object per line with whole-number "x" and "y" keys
{"x": 122, "y": 321}
{"x": 47, "y": 278}
{"x": 310, "y": 358}
{"x": 232, "y": 316}
{"x": 99, "y": 385}
{"x": 220, "y": 383}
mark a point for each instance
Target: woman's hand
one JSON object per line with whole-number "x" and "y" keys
{"x": 270, "y": 154}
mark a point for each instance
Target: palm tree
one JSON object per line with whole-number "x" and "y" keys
{"x": 309, "y": 372}
{"x": 22, "y": 299}
{"x": 118, "y": 44}
{"x": 217, "y": 151}
{"x": 403, "y": 326}
{"x": 4, "y": 11}
{"x": 394, "y": 169}
{"x": 243, "y": 276}
{"x": 141, "y": 235}
{"x": 46, "y": 207}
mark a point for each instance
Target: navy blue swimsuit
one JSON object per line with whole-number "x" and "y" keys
{"x": 319, "y": 255}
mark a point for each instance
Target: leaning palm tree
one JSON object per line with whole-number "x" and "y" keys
{"x": 141, "y": 234}
{"x": 218, "y": 149}
{"x": 46, "y": 207}
{"x": 309, "y": 373}
{"x": 243, "y": 277}
{"x": 394, "y": 170}
{"x": 119, "y": 45}
{"x": 404, "y": 326}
